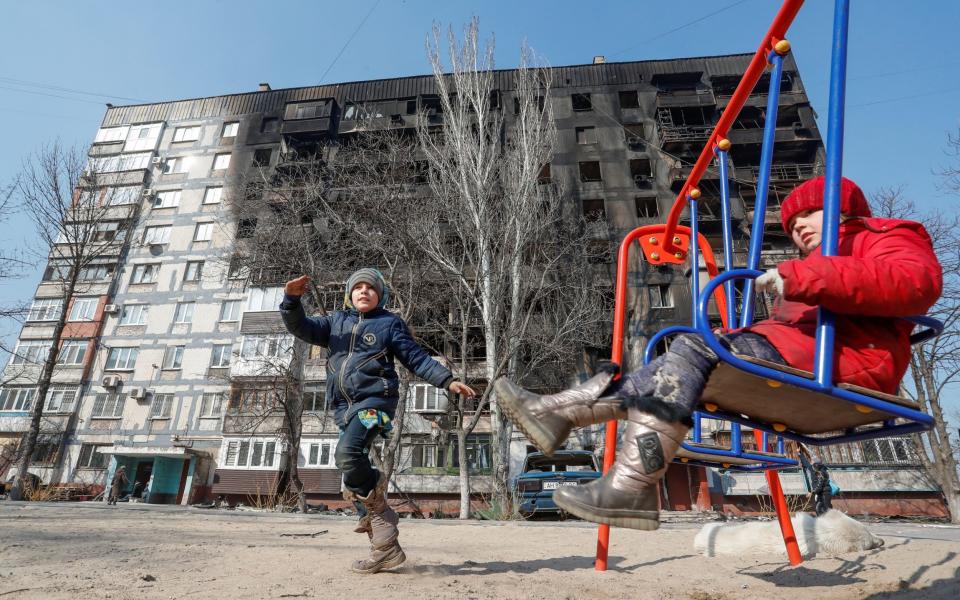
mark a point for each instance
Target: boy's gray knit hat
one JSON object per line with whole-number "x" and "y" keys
{"x": 373, "y": 278}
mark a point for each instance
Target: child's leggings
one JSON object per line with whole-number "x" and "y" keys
{"x": 670, "y": 386}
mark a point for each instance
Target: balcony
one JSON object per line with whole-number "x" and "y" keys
{"x": 684, "y": 134}
{"x": 691, "y": 97}
{"x": 782, "y": 172}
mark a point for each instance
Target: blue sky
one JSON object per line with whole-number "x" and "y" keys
{"x": 902, "y": 95}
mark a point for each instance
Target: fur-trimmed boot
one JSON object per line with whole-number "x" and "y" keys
{"x": 627, "y": 496}
{"x": 548, "y": 420}
{"x": 385, "y": 550}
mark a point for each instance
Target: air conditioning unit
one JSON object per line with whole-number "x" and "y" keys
{"x": 111, "y": 309}
{"x": 148, "y": 192}
{"x": 156, "y": 160}
{"x": 137, "y": 393}
{"x": 111, "y": 381}
{"x": 634, "y": 141}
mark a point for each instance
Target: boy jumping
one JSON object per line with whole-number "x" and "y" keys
{"x": 362, "y": 384}
{"x": 884, "y": 269}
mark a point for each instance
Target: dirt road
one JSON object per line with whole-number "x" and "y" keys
{"x": 83, "y": 551}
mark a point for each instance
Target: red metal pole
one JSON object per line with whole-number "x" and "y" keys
{"x": 783, "y": 511}
{"x": 778, "y": 30}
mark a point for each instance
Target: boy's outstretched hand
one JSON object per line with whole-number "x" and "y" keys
{"x": 458, "y": 387}
{"x": 297, "y": 287}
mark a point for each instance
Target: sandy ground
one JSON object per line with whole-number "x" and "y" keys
{"x": 83, "y": 551}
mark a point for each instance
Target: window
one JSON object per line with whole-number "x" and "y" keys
{"x": 221, "y": 162}
{"x": 108, "y": 231}
{"x": 319, "y": 455}
{"x": 91, "y": 457}
{"x": 19, "y": 399}
{"x": 265, "y": 346}
{"x": 177, "y": 164}
{"x": 255, "y": 453}
{"x": 161, "y": 406}
{"x": 211, "y": 405}
{"x": 61, "y": 398}
{"x": 143, "y": 137}
{"x": 134, "y": 314}
{"x": 429, "y": 398}
{"x": 261, "y": 157}
{"x": 122, "y": 359}
{"x": 158, "y": 234}
{"x": 640, "y": 170}
{"x": 270, "y": 125}
{"x": 173, "y": 357}
{"x": 203, "y": 232}
{"x": 314, "y": 400}
{"x": 83, "y": 309}
{"x": 230, "y": 310}
{"x": 96, "y": 272}
{"x": 590, "y": 171}
{"x": 120, "y": 162}
{"x": 30, "y": 352}
{"x": 111, "y": 134}
{"x": 194, "y": 271}
{"x": 186, "y": 134}
{"x": 230, "y": 129}
{"x": 633, "y": 134}
{"x": 246, "y": 227}
{"x": 47, "y": 449}
{"x": 594, "y": 209}
{"x": 586, "y": 135}
{"x": 72, "y": 352}
{"x": 660, "y": 296}
{"x": 647, "y": 207}
{"x": 167, "y": 199}
{"x": 581, "y": 102}
{"x": 265, "y": 299}
{"x": 183, "y": 313}
{"x": 108, "y": 405}
{"x": 221, "y": 355}
{"x": 145, "y": 273}
{"x": 45, "y": 309}
{"x": 237, "y": 268}
{"x": 121, "y": 196}
{"x": 629, "y": 99}
{"x": 213, "y": 195}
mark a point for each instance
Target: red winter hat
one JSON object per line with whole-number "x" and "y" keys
{"x": 809, "y": 194}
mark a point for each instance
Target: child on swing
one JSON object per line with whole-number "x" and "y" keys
{"x": 884, "y": 269}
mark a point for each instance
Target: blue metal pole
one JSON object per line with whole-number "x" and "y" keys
{"x": 694, "y": 260}
{"x": 697, "y": 428}
{"x": 736, "y": 438}
{"x": 727, "y": 236}
{"x": 763, "y": 185}
{"x": 823, "y": 361}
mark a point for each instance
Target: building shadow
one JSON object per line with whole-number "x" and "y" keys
{"x": 941, "y": 588}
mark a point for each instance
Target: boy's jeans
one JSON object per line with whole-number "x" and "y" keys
{"x": 353, "y": 458}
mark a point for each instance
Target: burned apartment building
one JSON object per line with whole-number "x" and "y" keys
{"x": 172, "y": 381}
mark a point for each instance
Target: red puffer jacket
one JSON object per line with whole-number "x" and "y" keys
{"x": 884, "y": 269}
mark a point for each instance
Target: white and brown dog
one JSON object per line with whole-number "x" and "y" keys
{"x": 833, "y": 533}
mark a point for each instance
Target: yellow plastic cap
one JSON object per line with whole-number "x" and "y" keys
{"x": 710, "y": 406}
{"x": 781, "y": 47}
{"x": 724, "y": 144}
{"x": 779, "y": 427}
{"x": 695, "y": 193}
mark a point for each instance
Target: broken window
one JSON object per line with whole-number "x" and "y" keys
{"x": 586, "y": 135}
{"x": 633, "y": 133}
{"x": 246, "y": 227}
{"x": 581, "y": 102}
{"x": 647, "y": 207}
{"x": 544, "y": 176}
{"x": 640, "y": 168}
{"x": 660, "y": 296}
{"x": 431, "y": 105}
{"x": 261, "y": 157}
{"x": 516, "y": 104}
{"x": 270, "y": 125}
{"x": 590, "y": 171}
{"x": 599, "y": 252}
{"x": 629, "y": 99}
{"x": 594, "y": 209}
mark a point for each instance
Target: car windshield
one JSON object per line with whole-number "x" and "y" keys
{"x": 560, "y": 463}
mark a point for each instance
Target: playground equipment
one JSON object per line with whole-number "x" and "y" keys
{"x": 771, "y": 399}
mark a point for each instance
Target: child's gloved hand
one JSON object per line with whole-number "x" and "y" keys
{"x": 297, "y": 287}
{"x": 770, "y": 282}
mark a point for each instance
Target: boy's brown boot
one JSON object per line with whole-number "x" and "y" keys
{"x": 385, "y": 550}
{"x": 627, "y": 496}
{"x": 548, "y": 420}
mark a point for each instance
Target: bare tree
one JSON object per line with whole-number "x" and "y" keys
{"x": 82, "y": 220}
{"x": 935, "y": 365}
{"x": 504, "y": 241}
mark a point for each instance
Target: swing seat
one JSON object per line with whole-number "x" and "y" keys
{"x": 690, "y": 454}
{"x": 788, "y": 407}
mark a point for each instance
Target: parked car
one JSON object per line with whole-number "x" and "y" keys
{"x": 543, "y": 474}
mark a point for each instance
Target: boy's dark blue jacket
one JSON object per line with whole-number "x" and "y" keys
{"x": 360, "y": 352}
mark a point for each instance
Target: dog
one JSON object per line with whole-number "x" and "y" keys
{"x": 831, "y": 534}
